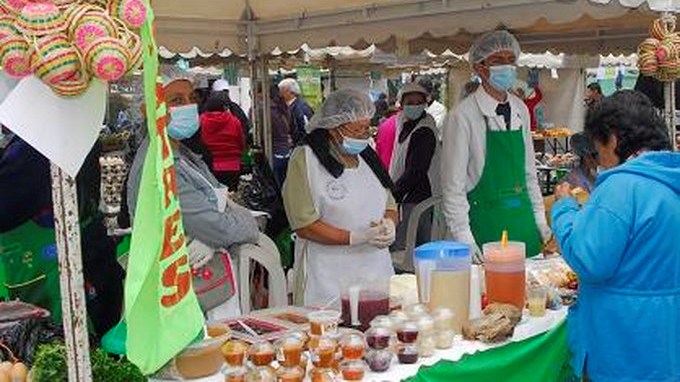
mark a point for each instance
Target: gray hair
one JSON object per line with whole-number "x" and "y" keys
{"x": 291, "y": 85}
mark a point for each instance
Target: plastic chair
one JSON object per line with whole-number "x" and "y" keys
{"x": 266, "y": 254}
{"x": 438, "y": 229}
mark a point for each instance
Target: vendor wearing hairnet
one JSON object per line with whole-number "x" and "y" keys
{"x": 211, "y": 221}
{"x": 338, "y": 202}
{"x": 488, "y": 174}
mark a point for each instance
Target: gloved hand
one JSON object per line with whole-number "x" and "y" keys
{"x": 364, "y": 237}
{"x": 199, "y": 254}
{"x": 387, "y": 235}
{"x": 466, "y": 237}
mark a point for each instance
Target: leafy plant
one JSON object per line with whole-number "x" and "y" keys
{"x": 50, "y": 366}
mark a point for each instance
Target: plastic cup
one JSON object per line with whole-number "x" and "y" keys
{"x": 537, "y": 298}
{"x": 323, "y": 321}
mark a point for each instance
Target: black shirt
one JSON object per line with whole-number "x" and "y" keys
{"x": 414, "y": 184}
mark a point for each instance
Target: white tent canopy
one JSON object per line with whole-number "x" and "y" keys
{"x": 215, "y": 25}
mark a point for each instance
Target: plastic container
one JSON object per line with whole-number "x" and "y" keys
{"x": 505, "y": 274}
{"x": 289, "y": 350}
{"x": 324, "y": 352}
{"x": 379, "y": 360}
{"x": 379, "y": 338}
{"x": 537, "y": 299}
{"x": 353, "y": 370}
{"x": 290, "y": 374}
{"x": 444, "y": 319}
{"x": 323, "y": 374}
{"x": 382, "y": 322}
{"x": 415, "y": 311}
{"x": 236, "y": 374}
{"x": 444, "y": 339}
{"x": 407, "y": 354}
{"x": 426, "y": 345}
{"x": 443, "y": 274}
{"x": 202, "y": 359}
{"x": 234, "y": 352}
{"x": 426, "y": 325}
{"x": 261, "y": 374}
{"x": 262, "y": 353}
{"x": 323, "y": 321}
{"x": 408, "y": 333}
{"x": 353, "y": 346}
{"x": 362, "y": 302}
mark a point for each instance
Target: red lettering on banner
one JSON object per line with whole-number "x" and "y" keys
{"x": 173, "y": 278}
{"x": 170, "y": 229}
{"x": 170, "y": 184}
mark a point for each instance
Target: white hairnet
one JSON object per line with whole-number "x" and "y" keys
{"x": 290, "y": 84}
{"x": 342, "y": 107}
{"x": 493, "y": 42}
{"x": 172, "y": 73}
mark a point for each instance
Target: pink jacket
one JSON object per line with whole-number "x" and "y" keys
{"x": 387, "y": 133}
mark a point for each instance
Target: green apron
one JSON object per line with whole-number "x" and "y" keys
{"x": 500, "y": 201}
{"x": 29, "y": 256}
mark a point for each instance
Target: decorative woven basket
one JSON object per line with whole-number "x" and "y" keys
{"x": 72, "y": 87}
{"x": 107, "y": 59}
{"x": 7, "y": 26}
{"x": 134, "y": 45}
{"x": 14, "y": 6}
{"x": 54, "y": 59}
{"x": 14, "y": 56}
{"x": 131, "y": 12}
{"x": 39, "y": 19}
{"x": 89, "y": 27}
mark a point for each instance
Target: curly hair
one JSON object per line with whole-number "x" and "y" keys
{"x": 632, "y": 119}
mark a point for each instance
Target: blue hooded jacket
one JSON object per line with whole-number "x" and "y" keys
{"x": 624, "y": 244}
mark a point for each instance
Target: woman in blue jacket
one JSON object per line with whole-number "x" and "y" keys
{"x": 624, "y": 244}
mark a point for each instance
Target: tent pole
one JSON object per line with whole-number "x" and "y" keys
{"x": 74, "y": 312}
{"x": 669, "y": 112}
{"x": 267, "y": 126}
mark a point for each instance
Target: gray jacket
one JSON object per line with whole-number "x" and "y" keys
{"x": 200, "y": 215}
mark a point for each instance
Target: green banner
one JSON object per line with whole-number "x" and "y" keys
{"x": 543, "y": 358}
{"x": 309, "y": 78}
{"x": 161, "y": 309}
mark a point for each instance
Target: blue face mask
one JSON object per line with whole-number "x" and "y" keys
{"x": 353, "y": 146}
{"x": 412, "y": 112}
{"x": 502, "y": 77}
{"x": 183, "y": 122}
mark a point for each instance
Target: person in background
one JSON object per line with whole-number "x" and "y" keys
{"x": 381, "y": 109}
{"x": 338, "y": 201}
{"x": 488, "y": 168}
{"x": 224, "y": 137}
{"x": 211, "y": 220}
{"x": 27, "y": 237}
{"x": 413, "y": 167}
{"x": 300, "y": 111}
{"x": 623, "y": 245}
{"x": 222, "y": 85}
{"x": 435, "y": 108}
{"x": 532, "y": 97}
{"x": 282, "y": 139}
{"x": 593, "y": 95}
{"x": 584, "y": 175}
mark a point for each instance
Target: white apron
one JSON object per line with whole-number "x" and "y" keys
{"x": 232, "y": 307}
{"x": 351, "y": 202}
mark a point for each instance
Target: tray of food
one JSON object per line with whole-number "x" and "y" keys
{"x": 555, "y": 274}
{"x": 290, "y": 315}
{"x": 252, "y": 329}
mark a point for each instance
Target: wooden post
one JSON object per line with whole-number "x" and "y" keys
{"x": 669, "y": 111}
{"x": 74, "y": 311}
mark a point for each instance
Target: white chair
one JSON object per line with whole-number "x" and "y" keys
{"x": 405, "y": 257}
{"x": 266, "y": 254}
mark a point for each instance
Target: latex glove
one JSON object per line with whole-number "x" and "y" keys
{"x": 365, "y": 237}
{"x": 199, "y": 254}
{"x": 388, "y": 233}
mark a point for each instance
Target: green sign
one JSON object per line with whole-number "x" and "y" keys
{"x": 309, "y": 78}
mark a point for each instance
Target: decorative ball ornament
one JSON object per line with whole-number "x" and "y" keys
{"x": 131, "y": 12}
{"x": 107, "y": 59}
{"x": 39, "y": 19}
{"x": 14, "y": 53}
{"x": 54, "y": 59}
{"x": 13, "y": 6}
{"x": 134, "y": 45}
{"x": 89, "y": 28}
{"x": 659, "y": 55}
{"x": 74, "y": 86}
{"x": 7, "y": 26}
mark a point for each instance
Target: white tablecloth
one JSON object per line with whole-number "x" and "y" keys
{"x": 529, "y": 327}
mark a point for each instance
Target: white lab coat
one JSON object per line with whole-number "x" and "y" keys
{"x": 463, "y": 158}
{"x": 438, "y": 112}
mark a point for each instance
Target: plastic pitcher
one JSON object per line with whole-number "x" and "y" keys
{"x": 363, "y": 301}
{"x": 505, "y": 273}
{"x": 443, "y": 273}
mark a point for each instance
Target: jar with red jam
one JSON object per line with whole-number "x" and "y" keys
{"x": 408, "y": 333}
{"x": 262, "y": 353}
{"x": 379, "y": 338}
{"x": 353, "y": 346}
{"x": 407, "y": 354}
{"x": 379, "y": 361}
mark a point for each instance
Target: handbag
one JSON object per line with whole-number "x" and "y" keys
{"x": 213, "y": 282}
